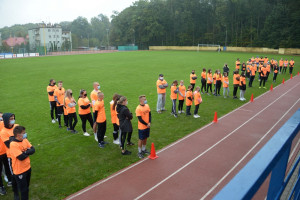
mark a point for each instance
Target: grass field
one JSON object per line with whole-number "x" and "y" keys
{"x": 65, "y": 163}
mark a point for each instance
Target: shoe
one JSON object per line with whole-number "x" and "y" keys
{"x": 241, "y": 99}
{"x": 130, "y": 144}
{"x": 235, "y": 97}
{"x": 125, "y": 153}
{"x": 9, "y": 184}
{"x": 145, "y": 152}
{"x": 196, "y": 116}
{"x": 163, "y": 109}
{"x": 219, "y": 95}
{"x": 188, "y": 114}
{"x": 182, "y": 111}
{"x": 264, "y": 87}
{"x": 68, "y": 129}
{"x": 101, "y": 145}
{"x": 179, "y": 112}
{"x": 2, "y": 190}
{"x": 225, "y": 97}
{"x": 53, "y": 121}
{"x": 201, "y": 92}
{"x": 56, "y": 119}
{"x": 59, "y": 126}
{"x": 74, "y": 131}
{"x": 175, "y": 115}
{"x": 86, "y": 134}
{"x": 5, "y": 179}
{"x": 96, "y": 138}
{"x": 105, "y": 136}
{"x": 116, "y": 141}
{"x": 140, "y": 155}
{"x": 244, "y": 99}
{"x": 259, "y": 87}
{"x": 103, "y": 142}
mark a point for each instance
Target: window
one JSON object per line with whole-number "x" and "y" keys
{"x": 49, "y": 30}
{"x": 49, "y": 36}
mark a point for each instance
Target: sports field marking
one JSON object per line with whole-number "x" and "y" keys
{"x": 187, "y": 164}
{"x": 239, "y": 162}
{"x": 165, "y": 148}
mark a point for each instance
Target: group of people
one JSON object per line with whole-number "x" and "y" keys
{"x": 243, "y": 71}
{"x": 63, "y": 103}
{"x": 15, "y": 150}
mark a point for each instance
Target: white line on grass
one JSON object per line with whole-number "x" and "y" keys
{"x": 187, "y": 164}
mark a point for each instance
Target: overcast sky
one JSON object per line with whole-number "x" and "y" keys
{"x": 54, "y": 11}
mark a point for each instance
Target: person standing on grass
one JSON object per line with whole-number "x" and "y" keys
{"x": 263, "y": 76}
{"x": 161, "y": 85}
{"x": 285, "y": 65}
{"x": 174, "y": 92}
{"x": 225, "y": 85}
{"x": 85, "y": 111}
{"x": 193, "y": 78}
{"x": 249, "y": 63}
{"x": 114, "y": 118}
{"x": 6, "y": 135}
{"x": 70, "y": 104}
{"x": 50, "y": 89}
{"x": 268, "y": 70}
{"x": 125, "y": 117}
{"x": 94, "y": 98}
{"x": 275, "y": 72}
{"x": 215, "y": 82}
{"x": 218, "y": 82}
{"x": 236, "y": 83}
{"x": 59, "y": 95}
{"x": 280, "y": 65}
{"x": 203, "y": 80}
{"x": 189, "y": 100}
{"x": 197, "y": 101}
{"x": 252, "y": 74}
{"x": 21, "y": 149}
{"x": 181, "y": 96}
{"x": 209, "y": 82}
{"x": 226, "y": 68}
{"x": 243, "y": 67}
{"x": 100, "y": 119}
{"x": 237, "y": 65}
{"x": 292, "y": 63}
{"x": 143, "y": 114}
{"x": 242, "y": 86}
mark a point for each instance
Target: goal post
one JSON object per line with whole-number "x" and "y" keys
{"x": 209, "y": 47}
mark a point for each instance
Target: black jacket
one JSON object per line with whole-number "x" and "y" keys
{"x": 125, "y": 117}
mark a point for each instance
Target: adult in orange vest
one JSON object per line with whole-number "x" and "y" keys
{"x": 114, "y": 118}
{"x": 193, "y": 78}
{"x": 197, "y": 101}
{"x": 249, "y": 64}
{"x": 50, "y": 90}
{"x": 252, "y": 74}
{"x": 100, "y": 119}
{"x": 174, "y": 92}
{"x": 215, "y": 82}
{"x": 242, "y": 86}
{"x": 275, "y": 72}
{"x": 268, "y": 70}
{"x": 285, "y": 65}
{"x": 203, "y": 80}
{"x": 181, "y": 96}
{"x": 189, "y": 100}
{"x": 218, "y": 82}
{"x": 70, "y": 103}
{"x": 59, "y": 95}
{"x": 292, "y": 63}
{"x": 94, "y": 98}
{"x": 225, "y": 85}
{"x": 263, "y": 76}
{"x": 280, "y": 65}
{"x": 237, "y": 64}
{"x": 84, "y": 111}
{"x": 161, "y": 85}
{"x": 236, "y": 83}
{"x": 209, "y": 81}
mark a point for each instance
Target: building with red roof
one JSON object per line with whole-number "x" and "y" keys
{"x": 13, "y": 41}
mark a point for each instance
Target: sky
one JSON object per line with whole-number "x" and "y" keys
{"x": 54, "y": 11}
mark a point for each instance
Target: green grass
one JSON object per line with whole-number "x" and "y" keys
{"x": 65, "y": 163}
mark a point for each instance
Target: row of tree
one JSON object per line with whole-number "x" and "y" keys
{"x": 251, "y": 23}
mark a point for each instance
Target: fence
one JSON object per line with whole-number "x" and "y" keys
{"x": 272, "y": 158}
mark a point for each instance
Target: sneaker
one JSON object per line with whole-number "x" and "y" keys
{"x": 103, "y": 142}
{"x": 9, "y": 184}
{"x": 59, "y": 126}
{"x": 2, "y": 190}
{"x": 264, "y": 87}
{"x": 74, "y": 131}
{"x": 105, "y": 136}
{"x": 179, "y": 112}
{"x": 116, "y": 142}
{"x": 159, "y": 112}
{"x": 101, "y": 145}
{"x": 196, "y": 116}
{"x": 188, "y": 114}
{"x": 86, "y": 134}
{"x": 244, "y": 99}
{"x": 140, "y": 155}
{"x": 125, "y": 153}
{"x": 259, "y": 87}
{"x": 53, "y": 121}
{"x": 96, "y": 138}
{"x": 130, "y": 143}
{"x": 68, "y": 129}
{"x": 225, "y": 97}
{"x": 182, "y": 111}
{"x": 145, "y": 152}
{"x": 175, "y": 115}
{"x": 241, "y": 99}
{"x": 235, "y": 97}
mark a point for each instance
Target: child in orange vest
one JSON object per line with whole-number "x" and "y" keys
{"x": 174, "y": 92}
{"x": 197, "y": 101}
{"x": 189, "y": 100}
{"x": 225, "y": 85}
{"x": 242, "y": 86}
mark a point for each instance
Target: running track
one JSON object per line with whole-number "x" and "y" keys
{"x": 200, "y": 164}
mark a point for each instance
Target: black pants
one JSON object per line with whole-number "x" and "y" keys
{"x": 235, "y": 89}
{"x": 101, "y": 131}
{"x": 262, "y": 79}
{"x": 251, "y": 81}
{"x": 291, "y": 70}
{"x": 248, "y": 74}
{"x": 23, "y": 181}
{"x": 174, "y": 106}
{"x": 193, "y": 85}
{"x": 123, "y": 138}
{"x": 280, "y": 69}
{"x": 284, "y": 70}
{"x": 87, "y": 117}
{"x": 275, "y": 76}
{"x": 66, "y": 120}
{"x": 209, "y": 86}
{"x": 203, "y": 84}
{"x": 71, "y": 117}
{"x": 188, "y": 110}
{"x": 4, "y": 162}
{"x": 180, "y": 105}
{"x": 13, "y": 181}
{"x": 196, "y": 109}
{"x": 218, "y": 85}
{"x": 267, "y": 75}
{"x": 116, "y": 130}
{"x": 52, "y": 109}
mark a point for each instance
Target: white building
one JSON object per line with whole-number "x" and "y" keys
{"x": 0, "y": 40}
{"x": 50, "y": 36}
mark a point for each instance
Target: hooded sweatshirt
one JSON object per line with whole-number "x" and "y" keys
{"x": 6, "y": 134}
{"x": 124, "y": 116}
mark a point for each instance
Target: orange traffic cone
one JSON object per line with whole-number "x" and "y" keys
{"x": 283, "y": 81}
{"x": 298, "y": 73}
{"x": 291, "y": 76}
{"x": 251, "y": 100}
{"x": 152, "y": 154}
{"x": 215, "y": 118}
{"x": 271, "y": 89}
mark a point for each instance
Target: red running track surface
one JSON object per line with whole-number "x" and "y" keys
{"x": 200, "y": 164}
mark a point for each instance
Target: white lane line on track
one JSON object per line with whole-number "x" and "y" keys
{"x": 239, "y": 162}
{"x": 187, "y": 164}
{"x": 295, "y": 148}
